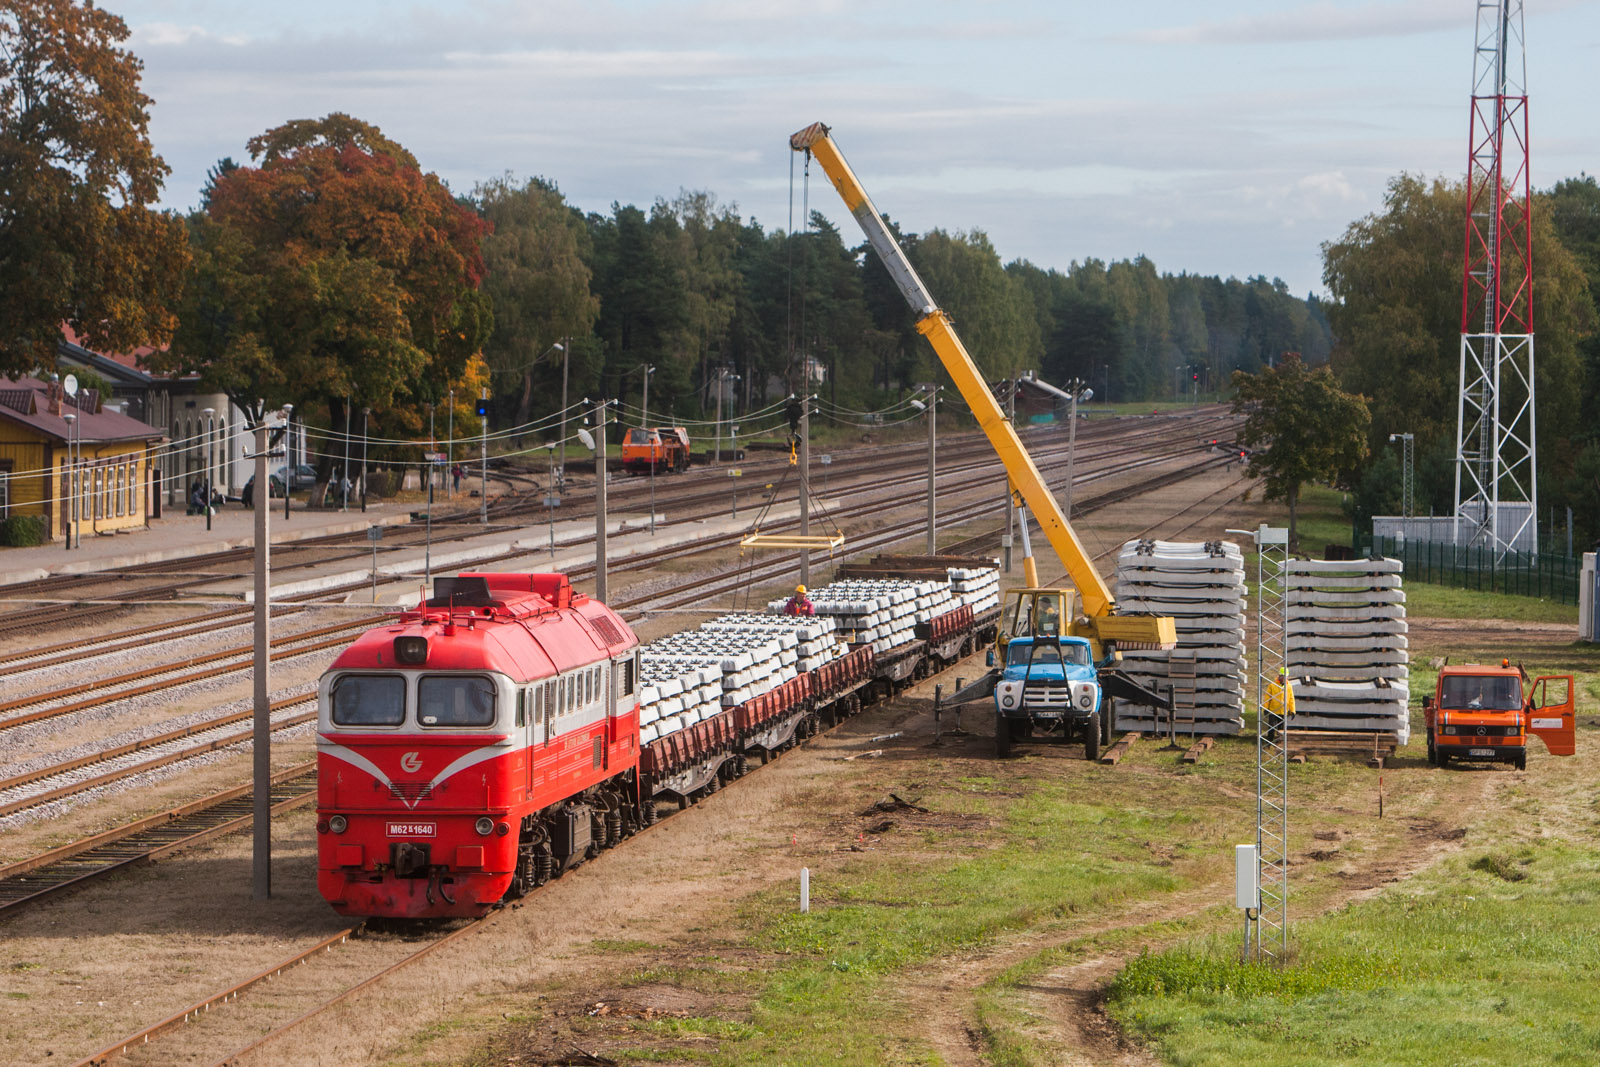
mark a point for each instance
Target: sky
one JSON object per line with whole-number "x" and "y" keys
{"x": 1229, "y": 139}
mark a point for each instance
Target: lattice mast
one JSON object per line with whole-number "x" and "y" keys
{"x": 1496, "y": 473}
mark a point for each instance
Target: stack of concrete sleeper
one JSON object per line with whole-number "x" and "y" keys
{"x": 881, "y": 612}
{"x": 1346, "y": 638}
{"x": 1202, "y": 586}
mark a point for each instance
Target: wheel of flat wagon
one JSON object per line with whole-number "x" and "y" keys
{"x": 1002, "y": 736}
{"x": 1091, "y": 737}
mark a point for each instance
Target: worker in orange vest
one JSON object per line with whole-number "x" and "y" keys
{"x": 799, "y": 604}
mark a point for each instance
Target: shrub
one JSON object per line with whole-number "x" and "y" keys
{"x": 22, "y": 531}
{"x": 382, "y": 482}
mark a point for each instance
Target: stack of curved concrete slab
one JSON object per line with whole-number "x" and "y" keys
{"x": 1346, "y": 638}
{"x": 1201, "y": 585}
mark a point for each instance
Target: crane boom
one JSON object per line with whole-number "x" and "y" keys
{"x": 1098, "y": 604}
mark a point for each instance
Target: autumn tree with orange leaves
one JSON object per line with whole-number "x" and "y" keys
{"x": 79, "y": 241}
{"x": 333, "y": 268}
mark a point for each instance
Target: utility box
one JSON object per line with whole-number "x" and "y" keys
{"x": 1246, "y": 877}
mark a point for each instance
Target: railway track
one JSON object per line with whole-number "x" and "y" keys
{"x": 202, "y": 746}
{"x": 28, "y": 790}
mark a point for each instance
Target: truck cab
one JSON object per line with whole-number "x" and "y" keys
{"x": 1485, "y": 714}
{"x": 1047, "y": 686}
{"x": 656, "y": 449}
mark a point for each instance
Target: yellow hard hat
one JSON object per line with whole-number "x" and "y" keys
{"x": 799, "y": 589}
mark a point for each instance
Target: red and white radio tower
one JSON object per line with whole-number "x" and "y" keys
{"x": 1496, "y": 473}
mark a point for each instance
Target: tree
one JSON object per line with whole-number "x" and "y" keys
{"x": 1299, "y": 427}
{"x": 538, "y": 281}
{"x": 333, "y": 269}
{"x": 1396, "y": 281}
{"x": 79, "y": 242}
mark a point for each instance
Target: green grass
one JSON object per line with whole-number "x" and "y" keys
{"x": 831, "y": 992}
{"x": 1443, "y": 602}
{"x": 1487, "y": 959}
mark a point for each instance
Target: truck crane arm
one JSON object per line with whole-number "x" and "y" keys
{"x": 1098, "y": 604}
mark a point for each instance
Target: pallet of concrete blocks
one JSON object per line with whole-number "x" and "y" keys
{"x": 882, "y": 613}
{"x": 1201, "y": 585}
{"x": 976, "y": 587}
{"x": 1345, "y": 626}
{"x": 813, "y": 640}
{"x": 750, "y": 663}
{"x": 675, "y": 691}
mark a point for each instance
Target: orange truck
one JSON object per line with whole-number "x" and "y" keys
{"x": 659, "y": 449}
{"x": 1484, "y": 714}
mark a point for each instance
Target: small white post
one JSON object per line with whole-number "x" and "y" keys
{"x": 805, "y": 889}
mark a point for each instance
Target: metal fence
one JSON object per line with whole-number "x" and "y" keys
{"x": 1545, "y": 575}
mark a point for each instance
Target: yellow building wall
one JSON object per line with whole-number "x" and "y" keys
{"x": 113, "y": 488}
{"x": 114, "y": 493}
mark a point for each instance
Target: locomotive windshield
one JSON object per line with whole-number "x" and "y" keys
{"x": 1481, "y": 693}
{"x": 369, "y": 700}
{"x": 453, "y": 700}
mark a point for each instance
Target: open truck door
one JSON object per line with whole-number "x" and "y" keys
{"x": 1551, "y": 715}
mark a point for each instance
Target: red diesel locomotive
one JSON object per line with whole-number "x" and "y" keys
{"x": 482, "y": 743}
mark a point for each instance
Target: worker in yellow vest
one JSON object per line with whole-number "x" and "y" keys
{"x": 1280, "y": 696}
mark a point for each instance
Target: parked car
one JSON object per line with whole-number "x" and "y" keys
{"x": 304, "y": 477}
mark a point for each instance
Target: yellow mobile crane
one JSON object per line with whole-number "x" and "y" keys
{"x": 1099, "y": 622}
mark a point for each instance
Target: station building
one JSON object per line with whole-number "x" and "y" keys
{"x": 115, "y": 477}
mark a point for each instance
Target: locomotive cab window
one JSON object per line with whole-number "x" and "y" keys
{"x": 369, "y": 700}
{"x": 451, "y": 700}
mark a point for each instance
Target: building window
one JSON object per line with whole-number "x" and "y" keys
{"x": 5, "y": 488}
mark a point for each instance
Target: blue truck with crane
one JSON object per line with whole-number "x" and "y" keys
{"x": 1054, "y": 664}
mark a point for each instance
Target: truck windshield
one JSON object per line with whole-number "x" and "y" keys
{"x": 1019, "y": 652}
{"x": 369, "y": 700}
{"x": 1480, "y": 693}
{"x": 452, "y": 700}
{"x": 638, "y": 437}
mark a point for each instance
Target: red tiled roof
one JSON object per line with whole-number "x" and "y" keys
{"x": 27, "y": 403}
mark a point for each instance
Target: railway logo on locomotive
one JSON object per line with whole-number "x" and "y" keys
{"x": 411, "y": 762}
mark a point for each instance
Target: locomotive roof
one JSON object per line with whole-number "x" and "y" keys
{"x": 525, "y": 625}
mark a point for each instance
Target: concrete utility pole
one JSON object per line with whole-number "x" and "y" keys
{"x": 566, "y": 364}
{"x": 805, "y": 486}
{"x": 483, "y": 455}
{"x": 1011, "y": 505}
{"x": 600, "y": 501}
{"x": 655, "y": 444}
{"x": 1075, "y": 389}
{"x": 365, "y": 414}
{"x": 261, "y": 721}
{"x": 450, "y": 450}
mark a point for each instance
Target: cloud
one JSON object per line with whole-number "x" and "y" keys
{"x": 1315, "y": 23}
{"x": 170, "y": 34}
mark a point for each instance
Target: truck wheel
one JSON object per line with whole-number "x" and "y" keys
{"x": 1105, "y": 726}
{"x": 1091, "y": 737}
{"x": 1433, "y": 750}
{"x": 1522, "y": 760}
{"x": 1002, "y": 736}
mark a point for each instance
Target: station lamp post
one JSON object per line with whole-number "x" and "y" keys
{"x": 210, "y": 414}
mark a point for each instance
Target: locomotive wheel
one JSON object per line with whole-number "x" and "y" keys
{"x": 1091, "y": 737}
{"x": 1002, "y": 736}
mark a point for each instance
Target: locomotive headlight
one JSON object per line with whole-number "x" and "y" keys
{"x": 502, "y": 828}
{"x": 484, "y": 826}
{"x": 338, "y": 824}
